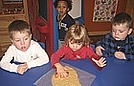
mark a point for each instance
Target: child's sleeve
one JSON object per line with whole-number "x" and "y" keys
{"x": 55, "y": 58}
{"x": 106, "y": 43}
{"x": 6, "y": 61}
{"x": 92, "y": 54}
{"x": 130, "y": 54}
{"x": 105, "y": 40}
{"x": 40, "y": 56}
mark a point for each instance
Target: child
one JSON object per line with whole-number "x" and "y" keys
{"x": 63, "y": 18}
{"x": 23, "y": 50}
{"x": 76, "y": 47}
{"x": 120, "y": 42}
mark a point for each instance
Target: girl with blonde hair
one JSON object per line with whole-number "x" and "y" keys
{"x": 76, "y": 47}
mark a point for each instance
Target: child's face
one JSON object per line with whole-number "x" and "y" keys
{"x": 75, "y": 46}
{"x": 21, "y": 40}
{"x": 62, "y": 8}
{"x": 120, "y": 31}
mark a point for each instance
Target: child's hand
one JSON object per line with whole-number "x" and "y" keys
{"x": 101, "y": 62}
{"x": 98, "y": 50}
{"x": 61, "y": 71}
{"x": 119, "y": 55}
{"x": 22, "y": 68}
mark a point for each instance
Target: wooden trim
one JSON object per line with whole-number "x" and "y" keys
{"x": 98, "y": 33}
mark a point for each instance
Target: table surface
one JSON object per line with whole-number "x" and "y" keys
{"x": 27, "y": 79}
{"x": 116, "y": 73}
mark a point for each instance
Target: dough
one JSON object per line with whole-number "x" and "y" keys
{"x": 71, "y": 80}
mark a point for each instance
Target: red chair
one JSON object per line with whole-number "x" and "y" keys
{"x": 42, "y": 27}
{"x": 41, "y": 24}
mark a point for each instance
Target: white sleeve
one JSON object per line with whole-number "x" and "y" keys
{"x": 40, "y": 58}
{"x": 6, "y": 59}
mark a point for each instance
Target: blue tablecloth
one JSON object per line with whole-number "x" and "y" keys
{"x": 85, "y": 78}
{"x": 116, "y": 73}
{"x": 27, "y": 79}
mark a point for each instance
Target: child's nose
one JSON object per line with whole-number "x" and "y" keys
{"x": 22, "y": 42}
{"x": 61, "y": 8}
{"x": 117, "y": 32}
{"x": 75, "y": 46}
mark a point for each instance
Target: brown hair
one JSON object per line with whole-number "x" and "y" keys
{"x": 18, "y": 26}
{"x": 122, "y": 18}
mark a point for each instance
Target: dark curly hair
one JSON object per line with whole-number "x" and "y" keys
{"x": 69, "y": 3}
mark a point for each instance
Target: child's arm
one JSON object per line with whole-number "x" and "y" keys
{"x": 119, "y": 55}
{"x": 128, "y": 54}
{"x": 22, "y": 68}
{"x": 101, "y": 62}
{"x": 98, "y": 50}
{"x": 55, "y": 57}
{"x": 103, "y": 44}
{"x": 61, "y": 71}
{"x": 6, "y": 61}
{"x": 39, "y": 58}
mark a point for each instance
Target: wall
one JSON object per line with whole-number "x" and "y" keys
{"x": 130, "y": 9}
{"x": 98, "y": 28}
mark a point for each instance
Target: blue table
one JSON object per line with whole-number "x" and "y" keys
{"x": 116, "y": 73}
{"x": 27, "y": 79}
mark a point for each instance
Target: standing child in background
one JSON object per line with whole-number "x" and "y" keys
{"x": 63, "y": 18}
{"x": 120, "y": 42}
{"x": 23, "y": 50}
{"x": 76, "y": 47}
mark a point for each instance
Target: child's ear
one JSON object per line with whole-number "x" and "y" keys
{"x": 30, "y": 35}
{"x": 67, "y": 9}
{"x": 130, "y": 31}
{"x": 11, "y": 40}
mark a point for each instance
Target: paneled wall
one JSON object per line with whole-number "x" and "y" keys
{"x": 99, "y": 27}
{"x": 130, "y": 9}
{"x": 9, "y": 15}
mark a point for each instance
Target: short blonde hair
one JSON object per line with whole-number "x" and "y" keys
{"x": 78, "y": 34}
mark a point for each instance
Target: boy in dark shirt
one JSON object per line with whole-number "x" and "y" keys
{"x": 63, "y": 18}
{"x": 120, "y": 42}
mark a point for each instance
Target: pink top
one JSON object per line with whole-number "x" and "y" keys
{"x": 84, "y": 52}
